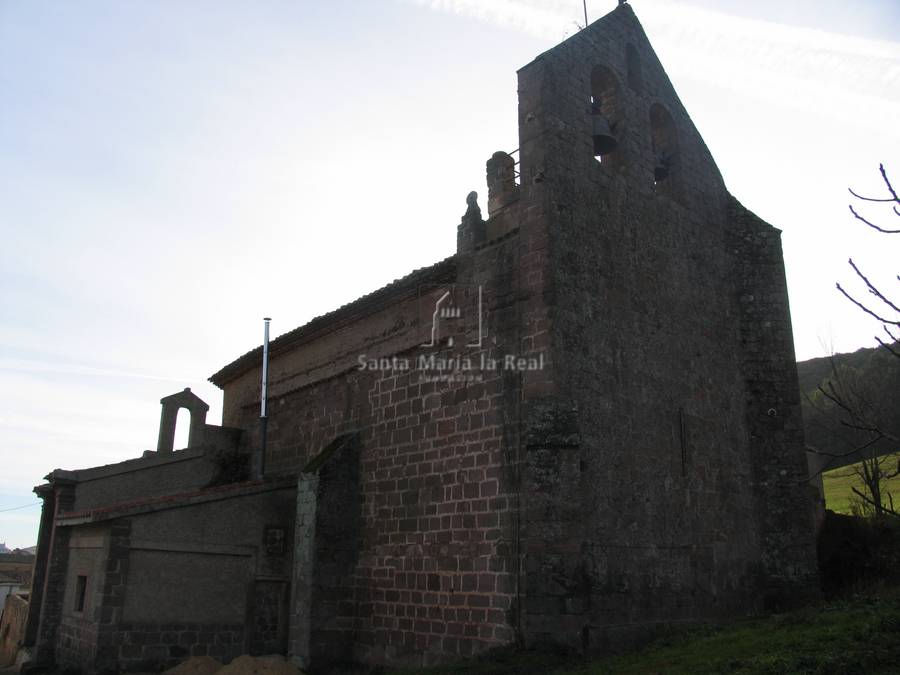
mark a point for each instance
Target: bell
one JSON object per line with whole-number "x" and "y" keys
{"x": 604, "y": 141}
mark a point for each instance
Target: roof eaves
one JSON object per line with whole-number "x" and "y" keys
{"x": 445, "y": 270}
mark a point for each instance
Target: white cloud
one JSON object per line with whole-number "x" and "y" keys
{"x": 777, "y": 62}
{"x": 57, "y": 368}
{"x": 541, "y": 19}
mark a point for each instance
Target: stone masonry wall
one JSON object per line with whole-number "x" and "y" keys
{"x": 774, "y": 418}
{"x": 328, "y": 540}
{"x": 640, "y": 455}
{"x": 41, "y": 563}
{"x": 158, "y": 474}
{"x": 148, "y": 646}
{"x": 436, "y": 571}
{"x": 54, "y": 582}
{"x": 199, "y": 579}
{"x": 79, "y": 629}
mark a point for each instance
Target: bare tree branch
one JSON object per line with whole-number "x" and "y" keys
{"x": 887, "y": 182}
{"x": 864, "y": 308}
{"x": 888, "y": 346}
{"x": 871, "y": 224}
{"x": 874, "y": 291}
{"x": 869, "y": 501}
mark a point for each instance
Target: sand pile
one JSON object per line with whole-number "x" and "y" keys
{"x": 274, "y": 664}
{"x": 260, "y": 665}
{"x": 198, "y": 665}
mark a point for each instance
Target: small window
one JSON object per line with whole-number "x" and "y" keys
{"x": 664, "y": 141}
{"x": 274, "y": 541}
{"x": 80, "y": 592}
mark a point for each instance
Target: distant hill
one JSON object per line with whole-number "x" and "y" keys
{"x": 871, "y": 378}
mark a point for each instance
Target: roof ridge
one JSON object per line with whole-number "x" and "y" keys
{"x": 309, "y": 330}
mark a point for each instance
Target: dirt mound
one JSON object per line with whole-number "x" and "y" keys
{"x": 260, "y": 665}
{"x": 198, "y": 665}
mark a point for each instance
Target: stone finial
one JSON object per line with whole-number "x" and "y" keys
{"x": 473, "y": 211}
{"x": 471, "y": 229}
{"x": 501, "y": 180}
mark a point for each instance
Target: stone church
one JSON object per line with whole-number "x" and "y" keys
{"x": 582, "y": 426}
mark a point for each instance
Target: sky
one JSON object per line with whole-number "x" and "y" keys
{"x": 171, "y": 172}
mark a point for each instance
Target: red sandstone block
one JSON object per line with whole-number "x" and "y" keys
{"x": 488, "y": 520}
{"x": 479, "y": 505}
{"x": 446, "y": 427}
{"x": 486, "y": 583}
{"x": 496, "y": 616}
{"x": 501, "y": 601}
{"x": 475, "y": 600}
{"x": 494, "y": 472}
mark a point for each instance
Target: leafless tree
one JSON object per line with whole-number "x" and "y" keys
{"x": 874, "y": 472}
{"x": 880, "y": 306}
{"x": 850, "y": 408}
{"x": 857, "y": 404}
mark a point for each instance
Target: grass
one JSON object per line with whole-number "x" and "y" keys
{"x": 854, "y": 636}
{"x": 838, "y": 483}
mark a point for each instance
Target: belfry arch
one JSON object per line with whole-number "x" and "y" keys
{"x": 197, "y": 408}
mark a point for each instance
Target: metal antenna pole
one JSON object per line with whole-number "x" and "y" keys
{"x": 263, "y": 420}
{"x": 584, "y": 2}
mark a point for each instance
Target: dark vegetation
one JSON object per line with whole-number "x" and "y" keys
{"x": 874, "y": 375}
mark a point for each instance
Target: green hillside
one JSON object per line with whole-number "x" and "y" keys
{"x": 838, "y": 483}
{"x": 870, "y": 380}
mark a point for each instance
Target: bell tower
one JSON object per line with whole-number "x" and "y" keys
{"x": 656, "y": 483}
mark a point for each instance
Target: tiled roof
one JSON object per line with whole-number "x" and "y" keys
{"x": 119, "y": 509}
{"x": 444, "y": 271}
